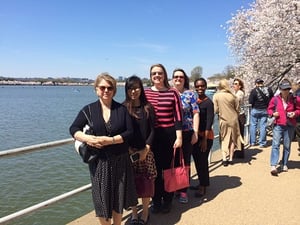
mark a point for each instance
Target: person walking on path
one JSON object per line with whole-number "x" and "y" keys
{"x": 259, "y": 99}
{"x": 285, "y": 108}
{"x": 168, "y": 131}
{"x": 142, "y": 114}
{"x": 226, "y": 105}
{"x": 111, "y": 173}
{"x": 239, "y": 91}
{"x": 190, "y": 123}
{"x": 202, "y": 148}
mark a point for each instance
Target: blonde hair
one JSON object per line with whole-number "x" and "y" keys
{"x": 224, "y": 86}
{"x": 108, "y": 78}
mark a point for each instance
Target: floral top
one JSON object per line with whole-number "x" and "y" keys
{"x": 189, "y": 107}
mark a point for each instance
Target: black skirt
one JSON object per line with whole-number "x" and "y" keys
{"x": 113, "y": 186}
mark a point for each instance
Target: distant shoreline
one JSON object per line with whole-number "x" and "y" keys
{"x": 36, "y": 83}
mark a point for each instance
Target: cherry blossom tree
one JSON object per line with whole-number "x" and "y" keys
{"x": 265, "y": 41}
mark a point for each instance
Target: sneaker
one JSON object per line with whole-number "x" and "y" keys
{"x": 183, "y": 198}
{"x": 285, "y": 168}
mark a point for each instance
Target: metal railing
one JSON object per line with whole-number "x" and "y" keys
{"x": 38, "y": 147}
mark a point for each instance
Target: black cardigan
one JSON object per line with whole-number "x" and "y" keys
{"x": 121, "y": 124}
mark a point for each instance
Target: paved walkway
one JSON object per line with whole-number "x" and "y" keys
{"x": 241, "y": 194}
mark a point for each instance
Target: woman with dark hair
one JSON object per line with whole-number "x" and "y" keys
{"x": 239, "y": 91}
{"x": 142, "y": 114}
{"x": 190, "y": 122}
{"x": 206, "y": 136}
{"x": 168, "y": 131}
{"x": 111, "y": 173}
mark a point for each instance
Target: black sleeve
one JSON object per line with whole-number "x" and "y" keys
{"x": 252, "y": 96}
{"x": 79, "y": 122}
{"x": 151, "y": 121}
{"x": 210, "y": 115}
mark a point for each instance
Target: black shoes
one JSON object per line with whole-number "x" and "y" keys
{"x": 225, "y": 163}
{"x": 143, "y": 222}
{"x": 155, "y": 209}
{"x": 200, "y": 192}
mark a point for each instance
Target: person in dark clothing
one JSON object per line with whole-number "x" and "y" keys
{"x": 259, "y": 99}
{"x": 206, "y": 136}
{"x": 113, "y": 187}
{"x": 142, "y": 114}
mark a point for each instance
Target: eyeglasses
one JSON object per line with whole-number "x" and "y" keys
{"x": 108, "y": 88}
{"x": 235, "y": 83}
{"x": 134, "y": 89}
{"x": 178, "y": 77}
{"x": 158, "y": 73}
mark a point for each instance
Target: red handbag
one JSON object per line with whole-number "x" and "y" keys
{"x": 178, "y": 177}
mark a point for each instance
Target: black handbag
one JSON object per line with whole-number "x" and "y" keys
{"x": 87, "y": 153}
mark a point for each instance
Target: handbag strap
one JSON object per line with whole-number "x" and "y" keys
{"x": 181, "y": 160}
{"x": 89, "y": 119}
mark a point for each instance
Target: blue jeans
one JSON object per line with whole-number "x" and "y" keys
{"x": 287, "y": 134}
{"x": 258, "y": 116}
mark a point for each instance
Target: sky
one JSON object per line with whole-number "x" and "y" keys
{"x": 82, "y": 38}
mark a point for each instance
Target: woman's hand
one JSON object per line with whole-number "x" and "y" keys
{"x": 203, "y": 145}
{"x": 276, "y": 114}
{"x": 143, "y": 153}
{"x": 99, "y": 141}
{"x": 194, "y": 138}
{"x": 177, "y": 143}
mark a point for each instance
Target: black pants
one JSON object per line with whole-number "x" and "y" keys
{"x": 242, "y": 120}
{"x": 163, "y": 152}
{"x": 201, "y": 162}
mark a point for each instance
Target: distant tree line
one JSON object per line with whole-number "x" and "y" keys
{"x": 194, "y": 74}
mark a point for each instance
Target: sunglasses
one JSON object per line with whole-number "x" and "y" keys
{"x": 108, "y": 88}
{"x": 158, "y": 73}
{"x": 178, "y": 77}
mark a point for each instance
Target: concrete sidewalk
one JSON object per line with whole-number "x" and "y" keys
{"x": 241, "y": 194}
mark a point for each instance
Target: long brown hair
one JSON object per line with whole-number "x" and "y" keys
{"x": 241, "y": 83}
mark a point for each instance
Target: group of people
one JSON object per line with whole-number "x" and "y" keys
{"x": 284, "y": 109}
{"x": 150, "y": 124}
